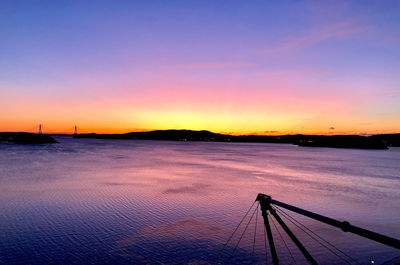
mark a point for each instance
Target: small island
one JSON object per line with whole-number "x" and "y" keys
{"x": 26, "y": 138}
{"x": 381, "y": 141}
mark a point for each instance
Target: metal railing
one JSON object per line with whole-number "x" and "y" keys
{"x": 266, "y": 203}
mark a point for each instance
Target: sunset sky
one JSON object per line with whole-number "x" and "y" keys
{"x": 240, "y": 67}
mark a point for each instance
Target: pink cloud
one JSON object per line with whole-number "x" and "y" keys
{"x": 210, "y": 65}
{"x": 287, "y": 74}
{"x": 338, "y": 30}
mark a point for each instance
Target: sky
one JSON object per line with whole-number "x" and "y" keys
{"x": 238, "y": 67}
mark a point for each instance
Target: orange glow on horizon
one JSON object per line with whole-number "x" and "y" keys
{"x": 266, "y": 111}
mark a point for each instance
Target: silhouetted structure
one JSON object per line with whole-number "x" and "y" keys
{"x": 266, "y": 203}
{"x": 273, "y": 210}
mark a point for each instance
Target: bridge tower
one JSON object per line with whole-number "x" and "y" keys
{"x": 40, "y": 128}
{"x": 75, "y": 130}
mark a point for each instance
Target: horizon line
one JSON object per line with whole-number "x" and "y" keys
{"x": 222, "y": 133}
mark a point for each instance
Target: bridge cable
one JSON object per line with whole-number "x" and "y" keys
{"x": 230, "y": 237}
{"x": 48, "y": 130}
{"x": 280, "y": 235}
{"x": 241, "y": 236}
{"x": 300, "y": 225}
{"x": 34, "y": 128}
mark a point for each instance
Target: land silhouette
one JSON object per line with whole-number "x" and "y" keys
{"x": 26, "y": 138}
{"x": 379, "y": 141}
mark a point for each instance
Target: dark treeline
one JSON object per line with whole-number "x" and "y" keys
{"x": 381, "y": 141}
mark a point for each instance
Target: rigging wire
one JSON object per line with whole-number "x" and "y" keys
{"x": 299, "y": 224}
{"x": 265, "y": 246}
{"x": 288, "y": 216}
{"x": 230, "y": 237}
{"x": 255, "y": 231}
{"x": 241, "y": 236}
{"x": 280, "y": 235}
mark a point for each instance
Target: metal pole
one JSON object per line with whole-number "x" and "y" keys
{"x": 344, "y": 225}
{"x": 264, "y": 213}
{"x": 303, "y": 250}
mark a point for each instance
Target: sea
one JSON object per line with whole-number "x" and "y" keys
{"x": 92, "y": 201}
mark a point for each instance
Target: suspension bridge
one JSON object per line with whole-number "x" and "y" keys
{"x": 44, "y": 129}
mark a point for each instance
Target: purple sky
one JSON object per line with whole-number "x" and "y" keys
{"x": 225, "y": 66}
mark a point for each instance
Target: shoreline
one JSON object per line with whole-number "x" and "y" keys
{"x": 381, "y": 141}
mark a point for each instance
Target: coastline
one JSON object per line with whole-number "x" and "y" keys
{"x": 382, "y": 141}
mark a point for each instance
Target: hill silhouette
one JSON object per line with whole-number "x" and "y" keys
{"x": 381, "y": 141}
{"x": 26, "y": 138}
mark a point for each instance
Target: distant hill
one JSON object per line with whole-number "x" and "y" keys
{"x": 173, "y": 135}
{"x": 342, "y": 141}
{"x": 381, "y": 141}
{"x": 26, "y": 138}
{"x": 389, "y": 139}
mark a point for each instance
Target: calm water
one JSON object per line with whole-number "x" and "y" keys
{"x": 117, "y": 202}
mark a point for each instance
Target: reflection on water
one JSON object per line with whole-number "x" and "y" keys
{"x": 115, "y": 202}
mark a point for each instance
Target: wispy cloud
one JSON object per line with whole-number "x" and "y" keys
{"x": 316, "y": 72}
{"x": 210, "y": 65}
{"x": 292, "y": 73}
{"x": 339, "y": 30}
